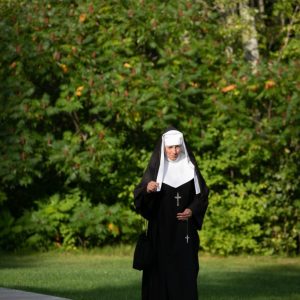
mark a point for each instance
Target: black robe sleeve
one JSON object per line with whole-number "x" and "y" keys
{"x": 200, "y": 203}
{"x": 145, "y": 203}
{"x": 199, "y": 206}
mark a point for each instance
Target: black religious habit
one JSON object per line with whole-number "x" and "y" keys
{"x": 173, "y": 274}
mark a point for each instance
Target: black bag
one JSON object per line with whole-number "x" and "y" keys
{"x": 143, "y": 253}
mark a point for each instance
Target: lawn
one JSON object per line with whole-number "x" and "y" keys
{"x": 107, "y": 275}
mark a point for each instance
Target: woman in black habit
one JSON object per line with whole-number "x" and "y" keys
{"x": 173, "y": 197}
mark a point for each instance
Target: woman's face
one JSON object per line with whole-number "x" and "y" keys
{"x": 172, "y": 152}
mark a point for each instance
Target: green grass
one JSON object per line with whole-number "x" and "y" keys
{"x": 108, "y": 275}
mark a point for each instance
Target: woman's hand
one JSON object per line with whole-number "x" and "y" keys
{"x": 152, "y": 186}
{"x": 185, "y": 215}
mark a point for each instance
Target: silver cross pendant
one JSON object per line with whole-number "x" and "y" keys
{"x": 187, "y": 238}
{"x": 177, "y": 197}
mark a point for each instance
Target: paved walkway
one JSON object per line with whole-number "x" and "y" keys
{"x": 10, "y": 294}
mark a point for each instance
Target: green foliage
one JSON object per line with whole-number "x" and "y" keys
{"x": 253, "y": 169}
{"x": 68, "y": 222}
{"x": 87, "y": 87}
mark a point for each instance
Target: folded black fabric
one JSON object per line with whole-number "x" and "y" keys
{"x": 143, "y": 253}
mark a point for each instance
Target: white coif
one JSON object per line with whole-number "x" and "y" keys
{"x": 178, "y": 172}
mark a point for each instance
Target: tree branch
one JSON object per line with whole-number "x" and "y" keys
{"x": 286, "y": 40}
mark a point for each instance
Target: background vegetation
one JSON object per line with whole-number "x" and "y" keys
{"x": 88, "y": 86}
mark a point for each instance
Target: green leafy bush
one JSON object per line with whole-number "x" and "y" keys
{"x": 86, "y": 88}
{"x": 69, "y": 221}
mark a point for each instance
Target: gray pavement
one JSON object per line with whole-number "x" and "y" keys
{"x": 10, "y": 294}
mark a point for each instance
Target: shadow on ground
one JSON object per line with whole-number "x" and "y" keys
{"x": 278, "y": 282}
{"x": 263, "y": 283}
{"x": 102, "y": 293}
{"x": 270, "y": 282}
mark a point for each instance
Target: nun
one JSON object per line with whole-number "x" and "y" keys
{"x": 173, "y": 197}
